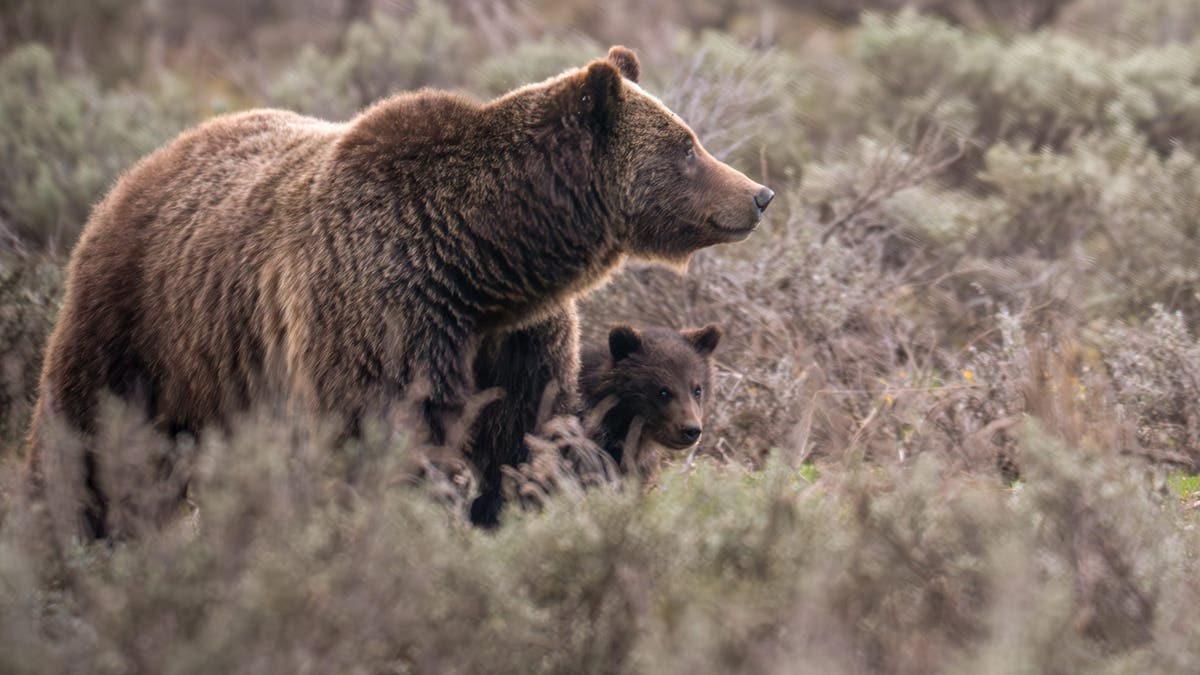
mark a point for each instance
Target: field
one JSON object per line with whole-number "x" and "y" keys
{"x": 957, "y": 418}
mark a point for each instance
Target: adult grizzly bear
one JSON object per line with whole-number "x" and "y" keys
{"x": 267, "y": 254}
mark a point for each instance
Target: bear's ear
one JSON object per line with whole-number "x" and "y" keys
{"x": 626, "y": 62}
{"x": 623, "y": 341}
{"x": 587, "y": 99}
{"x": 600, "y": 91}
{"x": 703, "y": 340}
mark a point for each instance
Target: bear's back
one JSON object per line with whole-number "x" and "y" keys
{"x": 220, "y": 162}
{"x": 230, "y": 226}
{"x": 180, "y": 241}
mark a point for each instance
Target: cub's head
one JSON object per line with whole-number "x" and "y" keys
{"x": 670, "y": 196}
{"x": 663, "y": 376}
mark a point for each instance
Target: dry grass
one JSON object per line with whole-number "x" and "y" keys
{"x": 310, "y": 558}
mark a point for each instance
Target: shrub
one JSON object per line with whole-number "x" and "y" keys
{"x": 30, "y": 290}
{"x": 65, "y": 141}
{"x": 1129, "y": 26}
{"x": 743, "y": 103}
{"x": 1157, "y": 386}
{"x": 533, "y": 62}
{"x": 286, "y": 563}
{"x": 79, "y": 32}
{"x": 1117, "y": 213}
{"x": 382, "y": 56}
{"x": 1040, "y": 90}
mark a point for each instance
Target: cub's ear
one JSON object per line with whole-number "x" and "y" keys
{"x": 626, "y": 62}
{"x": 703, "y": 340}
{"x": 623, "y": 341}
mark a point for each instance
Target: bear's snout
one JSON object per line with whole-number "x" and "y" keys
{"x": 763, "y": 198}
{"x": 741, "y": 202}
{"x": 690, "y": 434}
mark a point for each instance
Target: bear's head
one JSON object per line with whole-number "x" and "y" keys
{"x": 669, "y": 196}
{"x": 663, "y": 376}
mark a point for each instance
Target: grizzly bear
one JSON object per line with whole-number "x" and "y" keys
{"x": 649, "y": 389}
{"x": 430, "y": 247}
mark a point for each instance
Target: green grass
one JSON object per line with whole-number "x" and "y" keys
{"x": 1185, "y": 486}
{"x": 808, "y": 471}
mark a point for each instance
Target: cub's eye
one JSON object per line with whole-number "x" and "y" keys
{"x": 664, "y": 394}
{"x": 691, "y": 153}
{"x": 698, "y": 392}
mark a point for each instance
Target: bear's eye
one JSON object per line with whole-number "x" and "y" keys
{"x": 698, "y": 392}
{"x": 664, "y": 394}
{"x": 691, "y": 153}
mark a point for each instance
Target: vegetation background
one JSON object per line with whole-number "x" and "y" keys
{"x": 957, "y": 417}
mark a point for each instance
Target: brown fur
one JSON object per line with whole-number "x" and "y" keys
{"x": 649, "y": 388}
{"x": 265, "y": 254}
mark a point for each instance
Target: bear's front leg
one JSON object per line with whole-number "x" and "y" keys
{"x": 523, "y": 363}
{"x": 444, "y": 360}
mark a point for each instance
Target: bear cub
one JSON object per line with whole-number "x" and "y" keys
{"x": 646, "y": 392}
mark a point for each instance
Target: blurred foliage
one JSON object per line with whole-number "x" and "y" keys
{"x": 30, "y": 291}
{"x": 1186, "y": 486}
{"x": 1128, "y": 26}
{"x": 77, "y": 31}
{"x": 378, "y": 57}
{"x": 743, "y": 104}
{"x": 533, "y": 62}
{"x": 289, "y": 566}
{"x": 66, "y": 140}
{"x": 1157, "y": 385}
{"x": 941, "y": 178}
{"x": 1041, "y": 89}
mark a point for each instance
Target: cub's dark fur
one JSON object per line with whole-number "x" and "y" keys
{"x": 654, "y": 382}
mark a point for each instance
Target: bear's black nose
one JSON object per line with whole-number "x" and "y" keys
{"x": 690, "y": 434}
{"x": 763, "y": 198}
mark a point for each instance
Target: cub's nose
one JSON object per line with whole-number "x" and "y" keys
{"x": 763, "y": 198}
{"x": 690, "y": 434}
